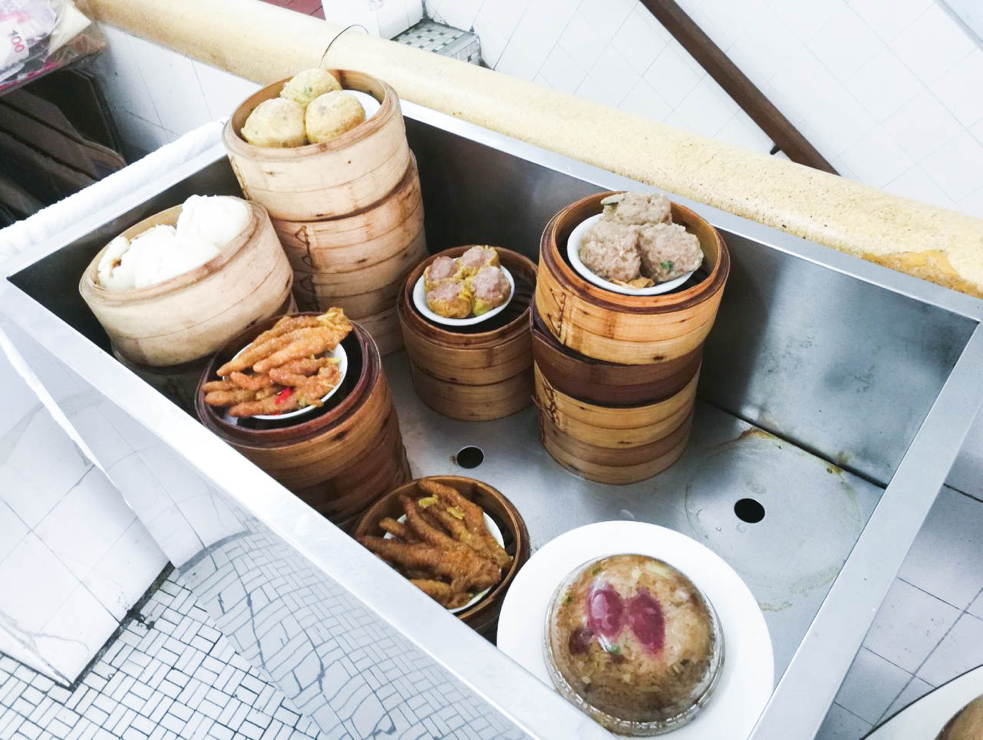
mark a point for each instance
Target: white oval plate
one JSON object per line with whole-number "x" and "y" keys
{"x": 747, "y": 678}
{"x": 369, "y": 104}
{"x": 338, "y": 352}
{"x": 494, "y": 531}
{"x": 420, "y": 301}
{"x": 573, "y": 254}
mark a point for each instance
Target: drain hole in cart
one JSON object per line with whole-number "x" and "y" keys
{"x": 470, "y": 456}
{"x": 750, "y": 511}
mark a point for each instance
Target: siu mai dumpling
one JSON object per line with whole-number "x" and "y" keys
{"x": 476, "y": 258}
{"x": 490, "y": 289}
{"x": 451, "y": 299}
{"x": 439, "y": 271}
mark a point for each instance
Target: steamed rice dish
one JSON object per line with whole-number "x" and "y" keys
{"x": 207, "y": 224}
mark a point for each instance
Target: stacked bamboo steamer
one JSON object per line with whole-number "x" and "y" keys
{"x": 616, "y": 374}
{"x": 338, "y": 459}
{"x": 349, "y": 212}
{"x": 166, "y": 332}
{"x": 475, "y": 373}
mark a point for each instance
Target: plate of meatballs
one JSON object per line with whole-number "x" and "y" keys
{"x": 633, "y": 247}
{"x": 464, "y": 291}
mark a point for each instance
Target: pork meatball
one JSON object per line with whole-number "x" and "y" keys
{"x": 451, "y": 300}
{"x": 490, "y": 289}
{"x": 476, "y": 258}
{"x": 637, "y": 208}
{"x": 668, "y": 251}
{"x": 330, "y": 115}
{"x": 276, "y": 123}
{"x": 304, "y": 86}
{"x": 439, "y": 271}
{"x": 609, "y": 251}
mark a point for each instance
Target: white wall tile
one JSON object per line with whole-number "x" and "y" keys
{"x": 730, "y": 19}
{"x": 392, "y": 20}
{"x": 946, "y": 558}
{"x": 958, "y": 89}
{"x": 643, "y": 101}
{"x": 96, "y": 509}
{"x": 841, "y": 724}
{"x": 932, "y": 44}
{"x": 701, "y": 111}
{"x": 915, "y": 183}
{"x": 639, "y": 40}
{"x": 908, "y": 625}
{"x": 961, "y": 650}
{"x": 877, "y": 158}
{"x": 223, "y": 91}
{"x": 22, "y": 599}
{"x": 613, "y": 70}
{"x": 605, "y": 16}
{"x": 460, "y": 13}
{"x": 493, "y": 41}
{"x": 763, "y": 48}
{"x": 740, "y": 130}
{"x": 561, "y": 71}
{"x": 140, "y": 133}
{"x": 535, "y": 37}
{"x": 956, "y": 167}
{"x": 671, "y": 77}
{"x": 127, "y": 569}
{"x": 803, "y": 17}
{"x": 414, "y": 11}
{"x": 580, "y": 42}
{"x": 922, "y": 125}
{"x": 76, "y": 631}
{"x": 888, "y": 18}
{"x": 976, "y": 608}
{"x": 12, "y": 530}
{"x": 503, "y": 15}
{"x": 871, "y": 685}
{"x": 173, "y": 85}
{"x": 915, "y": 690}
{"x": 106, "y": 443}
{"x": 883, "y": 85}
{"x": 972, "y": 205}
{"x": 845, "y": 43}
{"x": 119, "y": 70}
{"x": 598, "y": 91}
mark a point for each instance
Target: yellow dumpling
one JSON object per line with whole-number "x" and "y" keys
{"x": 277, "y": 122}
{"x": 332, "y": 114}
{"x": 304, "y": 86}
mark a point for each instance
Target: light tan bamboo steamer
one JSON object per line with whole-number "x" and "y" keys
{"x": 614, "y": 444}
{"x": 484, "y": 371}
{"x": 194, "y": 314}
{"x": 384, "y": 329}
{"x": 329, "y": 179}
{"x": 360, "y": 240}
{"x": 630, "y": 330}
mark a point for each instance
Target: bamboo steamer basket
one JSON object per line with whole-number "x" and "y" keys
{"x": 385, "y": 330}
{"x": 614, "y": 444}
{"x": 338, "y": 459}
{"x": 329, "y": 179}
{"x": 624, "y": 329}
{"x": 475, "y": 373}
{"x": 608, "y": 383}
{"x": 194, "y": 314}
{"x": 483, "y": 616}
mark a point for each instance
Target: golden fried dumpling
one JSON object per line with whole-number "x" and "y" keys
{"x": 476, "y": 258}
{"x": 490, "y": 289}
{"x": 451, "y": 300}
{"x": 332, "y": 114}
{"x": 304, "y": 86}
{"x": 275, "y": 123}
{"x": 440, "y": 270}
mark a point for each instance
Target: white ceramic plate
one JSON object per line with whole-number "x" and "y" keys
{"x": 369, "y": 104}
{"x": 747, "y": 678}
{"x": 420, "y": 301}
{"x": 338, "y": 352}
{"x": 573, "y": 254}
{"x": 494, "y": 531}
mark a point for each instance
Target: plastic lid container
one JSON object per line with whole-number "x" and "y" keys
{"x": 634, "y": 643}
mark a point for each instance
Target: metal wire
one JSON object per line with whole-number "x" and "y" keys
{"x": 346, "y": 28}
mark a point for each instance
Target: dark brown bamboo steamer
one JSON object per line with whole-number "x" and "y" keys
{"x": 474, "y": 373}
{"x": 333, "y": 178}
{"x": 341, "y": 458}
{"x": 625, "y": 329}
{"x": 608, "y": 383}
{"x": 483, "y": 616}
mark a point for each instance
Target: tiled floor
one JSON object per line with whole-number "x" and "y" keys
{"x": 168, "y": 675}
{"x": 929, "y": 628}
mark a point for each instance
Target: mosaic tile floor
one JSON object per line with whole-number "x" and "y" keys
{"x": 168, "y": 675}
